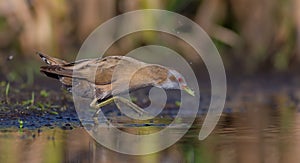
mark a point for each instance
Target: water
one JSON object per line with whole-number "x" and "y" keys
{"x": 254, "y": 136}
{"x": 257, "y": 125}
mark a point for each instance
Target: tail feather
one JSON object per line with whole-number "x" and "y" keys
{"x": 56, "y": 70}
{"x": 62, "y": 70}
{"x": 51, "y": 60}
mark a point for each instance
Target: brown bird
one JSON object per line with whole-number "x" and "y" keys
{"x": 103, "y": 79}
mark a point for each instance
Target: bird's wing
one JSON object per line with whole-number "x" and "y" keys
{"x": 106, "y": 70}
{"x": 97, "y": 71}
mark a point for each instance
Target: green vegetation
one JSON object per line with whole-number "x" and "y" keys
{"x": 29, "y": 101}
{"x": 44, "y": 93}
{"x": 18, "y": 99}
{"x": 178, "y": 103}
{"x": 20, "y": 123}
{"x": 134, "y": 99}
{"x": 247, "y": 42}
{"x": 6, "y": 93}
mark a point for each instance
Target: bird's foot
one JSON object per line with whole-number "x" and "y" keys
{"x": 103, "y": 120}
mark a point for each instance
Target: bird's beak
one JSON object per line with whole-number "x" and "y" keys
{"x": 188, "y": 90}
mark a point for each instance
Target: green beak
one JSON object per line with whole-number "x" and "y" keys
{"x": 188, "y": 91}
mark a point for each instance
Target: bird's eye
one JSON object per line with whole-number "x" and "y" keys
{"x": 180, "y": 80}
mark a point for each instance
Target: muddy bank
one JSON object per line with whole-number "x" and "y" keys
{"x": 48, "y": 105}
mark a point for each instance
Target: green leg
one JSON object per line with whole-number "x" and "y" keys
{"x": 101, "y": 104}
{"x": 123, "y": 100}
{"x": 94, "y": 105}
{"x": 133, "y": 106}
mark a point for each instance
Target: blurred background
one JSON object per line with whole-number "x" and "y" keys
{"x": 259, "y": 39}
{"x": 251, "y": 36}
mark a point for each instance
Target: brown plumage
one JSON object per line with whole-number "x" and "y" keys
{"x": 108, "y": 76}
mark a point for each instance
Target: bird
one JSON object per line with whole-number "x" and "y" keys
{"x": 104, "y": 79}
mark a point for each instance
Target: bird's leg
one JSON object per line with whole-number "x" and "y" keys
{"x": 123, "y": 100}
{"x": 132, "y": 105}
{"x": 94, "y": 105}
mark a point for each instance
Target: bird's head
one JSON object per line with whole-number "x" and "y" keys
{"x": 176, "y": 81}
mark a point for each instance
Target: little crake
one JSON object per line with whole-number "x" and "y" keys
{"x": 102, "y": 79}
